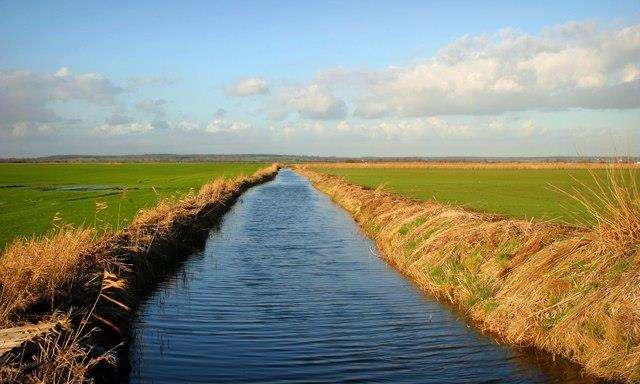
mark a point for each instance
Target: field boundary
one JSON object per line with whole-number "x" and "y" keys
{"x": 106, "y": 280}
{"x": 568, "y": 291}
{"x": 474, "y": 165}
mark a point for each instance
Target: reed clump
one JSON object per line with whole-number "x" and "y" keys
{"x": 98, "y": 279}
{"x": 39, "y": 270}
{"x": 571, "y": 291}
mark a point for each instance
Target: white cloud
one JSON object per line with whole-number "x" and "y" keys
{"x": 23, "y": 128}
{"x": 407, "y": 129}
{"x": 120, "y": 125}
{"x": 248, "y": 87}
{"x": 224, "y": 126}
{"x": 155, "y": 107}
{"x": 27, "y": 97}
{"x": 574, "y": 65}
{"x": 630, "y": 73}
{"x": 123, "y": 129}
{"x": 313, "y": 102}
{"x": 185, "y": 126}
{"x": 437, "y": 127}
{"x": 289, "y": 130}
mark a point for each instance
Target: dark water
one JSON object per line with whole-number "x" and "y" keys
{"x": 289, "y": 290}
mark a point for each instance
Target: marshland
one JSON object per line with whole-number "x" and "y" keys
{"x": 319, "y": 191}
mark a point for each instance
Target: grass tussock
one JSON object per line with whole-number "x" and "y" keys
{"x": 571, "y": 291}
{"x": 476, "y": 165}
{"x": 38, "y": 270}
{"x": 98, "y": 279}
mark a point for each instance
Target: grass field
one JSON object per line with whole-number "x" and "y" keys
{"x": 97, "y": 195}
{"x": 518, "y": 193}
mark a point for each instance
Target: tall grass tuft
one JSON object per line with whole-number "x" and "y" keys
{"x": 613, "y": 201}
{"x": 38, "y": 270}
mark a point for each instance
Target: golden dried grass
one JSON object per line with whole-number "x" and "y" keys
{"x": 571, "y": 291}
{"x": 36, "y": 270}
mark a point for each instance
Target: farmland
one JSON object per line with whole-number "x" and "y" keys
{"x": 516, "y": 191}
{"x": 34, "y": 197}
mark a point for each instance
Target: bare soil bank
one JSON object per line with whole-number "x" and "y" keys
{"x": 569, "y": 291}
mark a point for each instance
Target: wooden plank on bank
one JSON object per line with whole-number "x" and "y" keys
{"x": 13, "y": 337}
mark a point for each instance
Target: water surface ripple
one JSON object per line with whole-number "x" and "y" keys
{"x": 289, "y": 290}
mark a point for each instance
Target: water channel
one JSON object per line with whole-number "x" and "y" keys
{"x": 288, "y": 289}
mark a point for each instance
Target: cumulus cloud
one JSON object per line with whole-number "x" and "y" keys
{"x": 574, "y": 65}
{"x": 313, "y": 102}
{"x": 184, "y": 126}
{"x": 224, "y": 126}
{"x": 301, "y": 128}
{"x": 24, "y": 128}
{"x": 154, "y": 107}
{"x": 248, "y": 87}
{"x": 217, "y": 125}
{"x": 122, "y": 129}
{"x": 26, "y": 97}
{"x": 436, "y": 127}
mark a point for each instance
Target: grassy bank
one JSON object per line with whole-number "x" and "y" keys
{"x": 103, "y": 196}
{"x": 94, "y": 282}
{"x": 522, "y": 191}
{"x": 569, "y": 291}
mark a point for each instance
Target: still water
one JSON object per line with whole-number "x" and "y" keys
{"x": 289, "y": 290}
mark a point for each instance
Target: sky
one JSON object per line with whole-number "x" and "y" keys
{"x": 348, "y": 78}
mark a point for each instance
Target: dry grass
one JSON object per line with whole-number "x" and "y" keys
{"x": 60, "y": 359}
{"x": 477, "y": 165}
{"x": 96, "y": 279}
{"x": 37, "y": 270}
{"x": 570, "y": 291}
{"x": 64, "y": 354}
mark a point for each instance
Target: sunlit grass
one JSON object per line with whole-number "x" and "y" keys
{"x": 522, "y": 193}
{"x": 103, "y": 196}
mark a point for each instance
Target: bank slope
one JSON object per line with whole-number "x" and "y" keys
{"x": 90, "y": 286}
{"x": 572, "y": 292}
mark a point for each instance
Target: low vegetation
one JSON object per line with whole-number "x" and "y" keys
{"x": 94, "y": 281}
{"x": 569, "y": 290}
{"x": 106, "y": 197}
{"x": 517, "y": 190}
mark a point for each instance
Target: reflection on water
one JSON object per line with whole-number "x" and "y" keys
{"x": 288, "y": 290}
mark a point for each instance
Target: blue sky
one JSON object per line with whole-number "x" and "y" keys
{"x": 328, "y": 78}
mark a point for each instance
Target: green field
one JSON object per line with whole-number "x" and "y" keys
{"x": 517, "y": 193}
{"x": 31, "y": 195}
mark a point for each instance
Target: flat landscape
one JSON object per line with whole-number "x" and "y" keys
{"x": 518, "y": 191}
{"x": 320, "y": 191}
{"x": 105, "y": 196}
